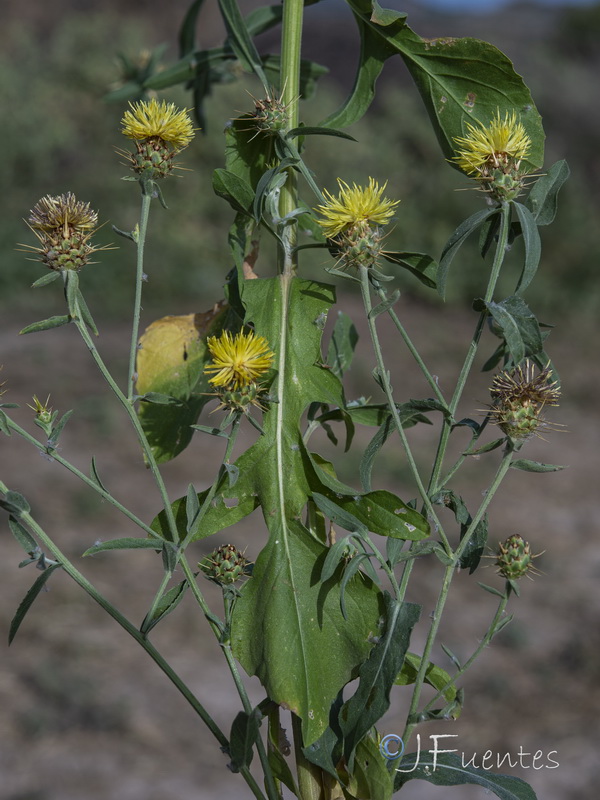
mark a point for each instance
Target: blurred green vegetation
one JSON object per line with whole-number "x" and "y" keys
{"x": 59, "y": 135}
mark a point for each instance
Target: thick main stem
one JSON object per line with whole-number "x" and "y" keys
{"x": 291, "y": 40}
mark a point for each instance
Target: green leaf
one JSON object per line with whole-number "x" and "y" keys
{"x": 28, "y": 600}
{"x": 244, "y": 733}
{"x": 454, "y": 243}
{"x": 472, "y": 553}
{"x": 187, "y": 31}
{"x": 434, "y": 676}
{"x": 542, "y": 200}
{"x": 342, "y": 344}
{"x": 46, "y": 324}
{"x": 86, "y": 315}
{"x": 49, "y": 277}
{"x": 535, "y": 466}
{"x": 533, "y": 246}
{"x": 288, "y": 628}
{"x": 420, "y": 265}
{"x": 377, "y": 675}
{"x": 22, "y": 535}
{"x": 518, "y": 327}
{"x": 15, "y": 503}
{"x": 234, "y": 189}
{"x": 373, "y": 54}
{"x": 167, "y": 603}
{"x": 4, "y": 426}
{"x": 240, "y": 40}
{"x": 306, "y": 130}
{"x": 58, "y": 429}
{"x": 447, "y": 770}
{"x": 370, "y": 775}
{"x": 126, "y": 543}
{"x": 372, "y": 449}
{"x": 72, "y": 292}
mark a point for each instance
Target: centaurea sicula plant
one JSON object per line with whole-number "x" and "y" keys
{"x": 319, "y": 613}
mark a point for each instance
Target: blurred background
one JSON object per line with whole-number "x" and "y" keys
{"x": 85, "y": 715}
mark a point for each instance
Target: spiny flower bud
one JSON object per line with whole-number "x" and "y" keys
{"x": 519, "y": 399}
{"x": 515, "y": 558}
{"x": 225, "y": 565}
{"x": 64, "y": 227}
{"x": 270, "y": 115}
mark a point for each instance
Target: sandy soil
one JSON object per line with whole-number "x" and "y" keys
{"x": 86, "y": 715}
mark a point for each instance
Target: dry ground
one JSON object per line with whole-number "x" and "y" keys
{"x": 86, "y": 716}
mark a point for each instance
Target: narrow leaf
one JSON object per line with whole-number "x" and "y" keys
{"x": 240, "y": 40}
{"x": 377, "y": 675}
{"x": 45, "y": 279}
{"x": 446, "y": 769}
{"x": 455, "y": 242}
{"x": 58, "y": 428}
{"x": 535, "y": 466}
{"x": 15, "y": 503}
{"x": 4, "y": 423}
{"x": 543, "y": 198}
{"x": 244, "y": 733}
{"x": 46, "y": 324}
{"x": 126, "y": 543}
{"x": 317, "y": 131}
{"x": 168, "y": 602}
{"x": 533, "y": 246}
{"x": 22, "y": 535}
{"x": 338, "y": 515}
{"x": 371, "y": 451}
{"x": 95, "y": 476}
{"x": 342, "y": 344}
{"x": 192, "y": 507}
{"x": 28, "y": 600}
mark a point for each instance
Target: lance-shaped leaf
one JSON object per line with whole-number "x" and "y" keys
{"x": 287, "y": 627}
{"x": 447, "y": 770}
{"x": 377, "y": 675}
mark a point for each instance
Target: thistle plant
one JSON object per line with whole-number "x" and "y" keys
{"x": 319, "y": 614}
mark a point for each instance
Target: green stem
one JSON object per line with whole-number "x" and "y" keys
{"x": 272, "y": 792}
{"x": 443, "y": 595}
{"x": 131, "y": 413}
{"x": 383, "y": 374}
{"x": 81, "y": 475}
{"x": 291, "y": 40}
{"x": 482, "y": 644}
{"x": 213, "y": 489}
{"x": 413, "y": 350}
{"x": 139, "y": 279}
{"x": 434, "y": 483}
{"x": 40, "y": 534}
{"x": 310, "y": 781}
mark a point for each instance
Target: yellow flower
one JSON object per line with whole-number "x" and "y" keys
{"x": 501, "y": 144}
{"x": 154, "y": 120}
{"x": 238, "y": 360}
{"x": 353, "y": 206}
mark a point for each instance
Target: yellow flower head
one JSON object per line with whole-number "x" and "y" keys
{"x": 355, "y": 205}
{"x": 500, "y": 144}
{"x": 154, "y": 120}
{"x": 238, "y": 360}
